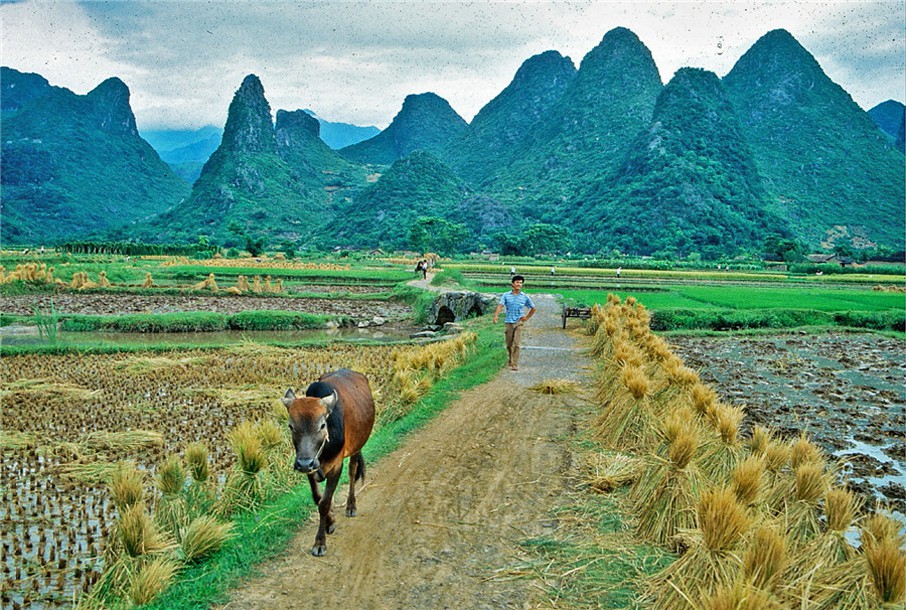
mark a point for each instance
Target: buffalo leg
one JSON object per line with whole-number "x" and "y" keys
{"x": 327, "y": 525}
{"x": 354, "y": 473}
{"x": 315, "y": 489}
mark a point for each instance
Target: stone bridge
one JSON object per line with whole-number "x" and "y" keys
{"x": 457, "y": 306}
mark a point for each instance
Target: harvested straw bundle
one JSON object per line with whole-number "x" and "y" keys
{"x": 723, "y": 450}
{"x": 126, "y": 486}
{"x": 149, "y": 282}
{"x": 748, "y": 480}
{"x": 741, "y": 597}
{"x": 801, "y": 503}
{"x": 555, "y": 386}
{"x": 203, "y": 536}
{"x": 151, "y": 579}
{"x": 765, "y": 558}
{"x": 665, "y": 494}
{"x": 171, "y": 512}
{"x": 208, "y": 284}
{"x": 630, "y": 419}
{"x": 710, "y": 564}
{"x": 608, "y": 471}
{"x": 874, "y": 579}
{"x": 829, "y": 548}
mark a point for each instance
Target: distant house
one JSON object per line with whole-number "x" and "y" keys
{"x": 830, "y": 259}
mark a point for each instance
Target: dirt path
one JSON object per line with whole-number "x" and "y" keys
{"x": 440, "y": 520}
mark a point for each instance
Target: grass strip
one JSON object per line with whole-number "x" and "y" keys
{"x": 268, "y": 532}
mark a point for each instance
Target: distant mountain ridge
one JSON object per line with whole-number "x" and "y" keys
{"x": 426, "y": 122}
{"x": 602, "y": 158}
{"x": 827, "y": 167}
{"x": 74, "y": 165}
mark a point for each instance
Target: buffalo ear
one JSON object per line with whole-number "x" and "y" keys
{"x": 289, "y": 398}
{"x": 329, "y": 402}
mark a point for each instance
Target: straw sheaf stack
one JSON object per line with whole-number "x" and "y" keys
{"x": 28, "y": 272}
{"x": 761, "y": 523}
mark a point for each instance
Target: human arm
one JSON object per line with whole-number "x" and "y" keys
{"x": 528, "y": 314}
{"x": 497, "y": 312}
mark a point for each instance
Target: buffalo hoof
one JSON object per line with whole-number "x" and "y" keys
{"x": 331, "y": 528}
{"x": 350, "y": 512}
{"x": 319, "y": 550}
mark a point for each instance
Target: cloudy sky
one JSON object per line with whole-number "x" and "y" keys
{"x": 356, "y": 61}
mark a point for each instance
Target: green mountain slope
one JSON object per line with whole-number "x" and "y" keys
{"x": 688, "y": 185}
{"x": 245, "y": 187}
{"x": 829, "y": 171}
{"x": 416, "y": 186}
{"x": 889, "y": 117}
{"x": 426, "y": 122}
{"x": 494, "y": 135}
{"x": 75, "y": 165}
{"x": 585, "y": 135}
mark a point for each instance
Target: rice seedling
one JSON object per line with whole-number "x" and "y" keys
{"x": 711, "y": 563}
{"x": 203, "y": 536}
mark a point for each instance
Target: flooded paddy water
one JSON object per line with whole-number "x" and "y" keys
{"x": 846, "y": 391}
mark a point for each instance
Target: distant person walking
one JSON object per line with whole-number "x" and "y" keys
{"x": 512, "y": 271}
{"x": 619, "y": 270}
{"x": 515, "y": 302}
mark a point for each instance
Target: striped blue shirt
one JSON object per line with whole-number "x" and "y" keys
{"x": 515, "y": 304}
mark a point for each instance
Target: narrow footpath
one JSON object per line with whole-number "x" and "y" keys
{"x": 441, "y": 520}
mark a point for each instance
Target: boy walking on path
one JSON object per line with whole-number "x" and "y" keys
{"x": 515, "y": 303}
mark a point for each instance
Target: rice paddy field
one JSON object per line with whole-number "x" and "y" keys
{"x": 71, "y": 415}
{"x": 68, "y": 419}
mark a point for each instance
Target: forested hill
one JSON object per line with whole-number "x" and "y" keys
{"x": 599, "y": 158}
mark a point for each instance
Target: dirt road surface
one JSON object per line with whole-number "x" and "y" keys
{"x": 440, "y": 520}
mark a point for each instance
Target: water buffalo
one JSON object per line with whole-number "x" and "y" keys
{"x": 331, "y": 422}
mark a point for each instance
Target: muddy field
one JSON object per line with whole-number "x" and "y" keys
{"x": 111, "y": 304}
{"x": 845, "y": 390}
